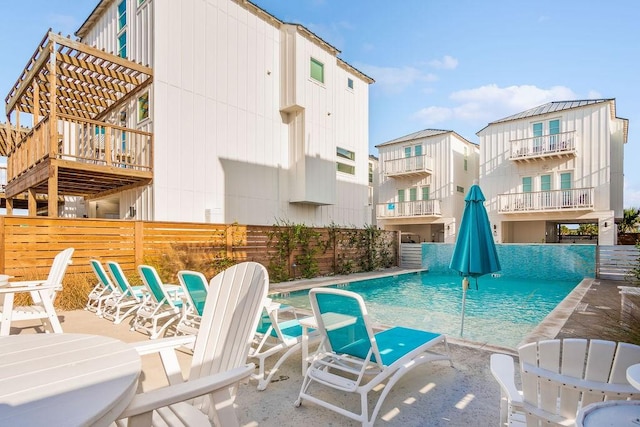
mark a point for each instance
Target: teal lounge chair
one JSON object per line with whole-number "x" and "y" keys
{"x": 102, "y": 291}
{"x": 128, "y": 298}
{"x": 195, "y": 289}
{"x": 352, "y": 358}
{"x": 162, "y": 306}
{"x": 274, "y": 336}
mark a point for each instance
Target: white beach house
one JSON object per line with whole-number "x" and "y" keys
{"x": 424, "y": 177}
{"x": 199, "y": 111}
{"x": 559, "y": 163}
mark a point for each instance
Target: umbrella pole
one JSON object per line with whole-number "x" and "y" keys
{"x": 465, "y": 286}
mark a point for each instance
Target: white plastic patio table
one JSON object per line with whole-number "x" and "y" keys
{"x": 633, "y": 375}
{"x": 65, "y": 379}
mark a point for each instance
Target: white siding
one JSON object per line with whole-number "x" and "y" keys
{"x": 597, "y": 163}
{"x": 223, "y": 149}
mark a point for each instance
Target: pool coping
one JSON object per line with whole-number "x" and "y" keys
{"x": 548, "y": 328}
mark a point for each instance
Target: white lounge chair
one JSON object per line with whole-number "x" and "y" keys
{"x": 102, "y": 291}
{"x": 195, "y": 289}
{"x": 229, "y": 321}
{"x": 43, "y": 293}
{"x": 275, "y": 336}
{"x": 160, "y": 308}
{"x": 352, "y": 358}
{"x": 128, "y": 298}
{"x": 561, "y": 376}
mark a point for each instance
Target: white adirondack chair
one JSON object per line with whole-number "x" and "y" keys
{"x": 43, "y": 293}
{"x": 561, "y": 376}
{"x": 230, "y": 317}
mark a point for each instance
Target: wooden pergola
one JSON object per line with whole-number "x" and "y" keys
{"x": 67, "y": 84}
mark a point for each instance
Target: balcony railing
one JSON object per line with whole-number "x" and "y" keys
{"x": 84, "y": 141}
{"x": 406, "y": 166}
{"x": 540, "y": 201}
{"x": 415, "y": 208}
{"x": 557, "y": 145}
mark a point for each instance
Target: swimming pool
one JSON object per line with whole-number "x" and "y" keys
{"x": 501, "y": 312}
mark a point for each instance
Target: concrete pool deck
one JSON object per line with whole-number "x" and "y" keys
{"x": 434, "y": 394}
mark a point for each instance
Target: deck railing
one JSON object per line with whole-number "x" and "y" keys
{"x": 574, "y": 198}
{"x": 540, "y": 146}
{"x": 82, "y": 140}
{"x": 408, "y": 209}
{"x": 409, "y": 165}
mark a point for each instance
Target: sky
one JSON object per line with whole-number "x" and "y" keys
{"x": 440, "y": 64}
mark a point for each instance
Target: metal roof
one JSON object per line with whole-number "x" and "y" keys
{"x": 552, "y": 107}
{"x": 416, "y": 135}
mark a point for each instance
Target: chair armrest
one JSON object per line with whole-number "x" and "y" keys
{"x": 27, "y": 283}
{"x": 158, "y": 398}
{"x": 503, "y": 371}
{"x": 167, "y": 349}
{"x": 156, "y": 346}
{"x": 19, "y": 287}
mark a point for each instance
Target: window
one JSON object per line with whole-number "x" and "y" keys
{"x": 465, "y": 164}
{"x": 122, "y": 45}
{"x": 317, "y": 70}
{"x": 459, "y": 189}
{"x": 465, "y": 159}
{"x": 370, "y": 173}
{"x": 537, "y": 137}
{"x": 400, "y": 196}
{"x": 545, "y": 183}
{"x": 413, "y": 194}
{"x": 554, "y": 130}
{"x": 122, "y": 29}
{"x": 143, "y": 107}
{"x": 345, "y": 168}
{"x": 425, "y": 193}
{"x": 345, "y": 154}
{"x": 122, "y": 14}
{"x": 350, "y": 83}
{"x": 565, "y": 181}
{"x": 526, "y": 184}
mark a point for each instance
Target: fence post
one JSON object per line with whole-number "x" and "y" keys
{"x": 2, "y": 247}
{"x": 138, "y": 242}
{"x": 229, "y": 232}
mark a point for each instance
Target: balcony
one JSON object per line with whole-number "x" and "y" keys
{"x": 544, "y": 147}
{"x": 409, "y": 166}
{"x": 547, "y": 201}
{"x": 416, "y": 208}
{"x": 93, "y": 158}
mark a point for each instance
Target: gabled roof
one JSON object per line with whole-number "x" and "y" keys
{"x": 555, "y": 106}
{"x": 426, "y": 133}
{"x": 552, "y": 107}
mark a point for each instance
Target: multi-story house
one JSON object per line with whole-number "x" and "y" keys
{"x": 424, "y": 178}
{"x": 556, "y": 164}
{"x": 374, "y": 183}
{"x": 234, "y": 116}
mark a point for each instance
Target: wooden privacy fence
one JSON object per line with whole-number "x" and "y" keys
{"x": 28, "y": 245}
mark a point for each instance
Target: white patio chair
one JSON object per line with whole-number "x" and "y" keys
{"x": 229, "y": 321}
{"x": 561, "y": 376}
{"x": 43, "y": 293}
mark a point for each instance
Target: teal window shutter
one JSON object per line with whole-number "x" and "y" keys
{"x": 526, "y": 184}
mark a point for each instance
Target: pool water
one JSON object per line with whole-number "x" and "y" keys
{"x": 501, "y": 311}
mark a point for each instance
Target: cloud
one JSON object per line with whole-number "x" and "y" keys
{"x": 393, "y": 80}
{"x": 491, "y": 102}
{"x": 446, "y": 63}
{"x": 432, "y": 115}
{"x": 594, "y": 94}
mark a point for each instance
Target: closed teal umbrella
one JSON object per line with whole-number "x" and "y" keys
{"x": 475, "y": 252}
